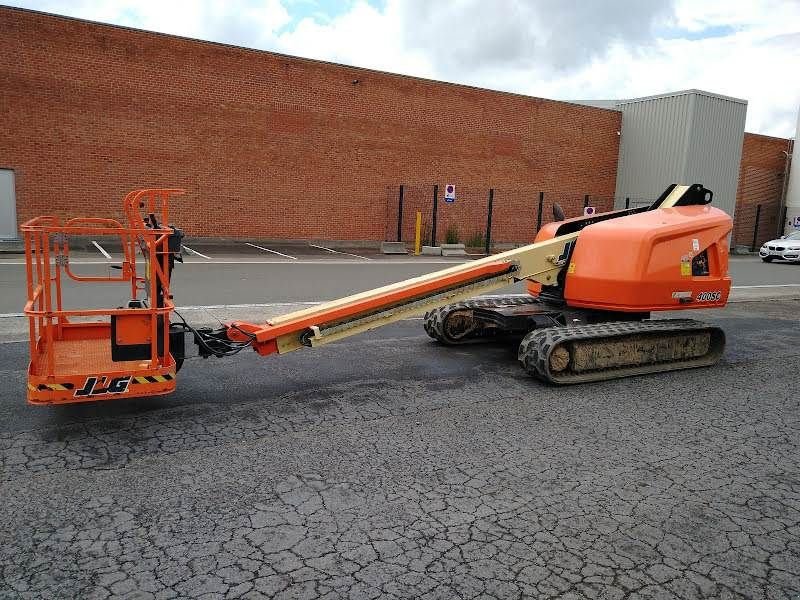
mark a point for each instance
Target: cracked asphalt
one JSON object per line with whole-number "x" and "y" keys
{"x": 386, "y": 466}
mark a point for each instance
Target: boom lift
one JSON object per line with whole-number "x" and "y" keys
{"x": 592, "y": 283}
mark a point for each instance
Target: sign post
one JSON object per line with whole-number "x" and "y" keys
{"x": 418, "y": 234}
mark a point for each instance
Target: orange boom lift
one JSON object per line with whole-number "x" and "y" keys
{"x": 592, "y": 281}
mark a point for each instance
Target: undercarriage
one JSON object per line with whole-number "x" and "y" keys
{"x": 563, "y": 345}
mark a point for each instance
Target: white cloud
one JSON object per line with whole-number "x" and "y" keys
{"x": 551, "y": 36}
{"x": 243, "y": 22}
{"x": 562, "y": 49}
{"x": 362, "y": 37}
{"x": 697, "y": 16}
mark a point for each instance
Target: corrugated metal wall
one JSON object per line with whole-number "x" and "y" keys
{"x": 652, "y": 147}
{"x": 716, "y": 149}
{"x": 686, "y": 137}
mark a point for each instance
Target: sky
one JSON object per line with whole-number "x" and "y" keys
{"x": 560, "y": 49}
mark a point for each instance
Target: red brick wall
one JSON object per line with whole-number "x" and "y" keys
{"x": 268, "y": 146}
{"x": 761, "y": 179}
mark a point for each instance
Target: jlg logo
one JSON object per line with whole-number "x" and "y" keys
{"x": 95, "y": 386}
{"x": 564, "y": 257}
{"x": 709, "y": 296}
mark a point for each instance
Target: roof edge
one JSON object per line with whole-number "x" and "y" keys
{"x": 692, "y": 91}
{"x": 770, "y": 137}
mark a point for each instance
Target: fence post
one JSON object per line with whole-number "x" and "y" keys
{"x": 782, "y": 224}
{"x": 627, "y": 203}
{"x": 586, "y": 201}
{"x": 435, "y": 211}
{"x": 755, "y": 229}
{"x": 418, "y": 234}
{"x": 400, "y": 216}
{"x": 489, "y": 222}
{"x": 539, "y": 216}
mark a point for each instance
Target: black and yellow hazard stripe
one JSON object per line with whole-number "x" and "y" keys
{"x": 153, "y": 378}
{"x": 55, "y": 387}
{"x": 65, "y": 387}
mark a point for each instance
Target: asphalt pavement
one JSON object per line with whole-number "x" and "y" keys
{"x": 389, "y": 466}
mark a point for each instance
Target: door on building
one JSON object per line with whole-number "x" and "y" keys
{"x": 8, "y": 206}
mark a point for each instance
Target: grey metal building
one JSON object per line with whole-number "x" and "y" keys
{"x": 690, "y": 136}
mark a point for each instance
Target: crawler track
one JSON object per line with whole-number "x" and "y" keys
{"x": 587, "y": 353}
{"x": 456, "y": 323}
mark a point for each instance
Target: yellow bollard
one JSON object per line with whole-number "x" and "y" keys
{"x": 418, "y": 234}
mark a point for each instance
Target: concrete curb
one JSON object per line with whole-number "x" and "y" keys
{"x": 12, "y": 247}
{"x": 393, "y": 248}
{"x": 761, "y": 295}
{"x": 453, "y": 250}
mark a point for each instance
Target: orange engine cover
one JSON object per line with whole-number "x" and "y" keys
{"x": 665, "y": 259}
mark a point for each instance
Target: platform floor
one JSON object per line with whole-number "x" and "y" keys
{"x": 76, "y": 357}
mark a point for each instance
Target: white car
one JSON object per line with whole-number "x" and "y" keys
{"x": 785, "y": 248}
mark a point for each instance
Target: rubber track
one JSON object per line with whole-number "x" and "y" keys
{"x": 536, "y": 348}
{"x": 434, "y": 320}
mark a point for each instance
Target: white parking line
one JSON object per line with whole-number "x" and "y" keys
{"x": 771, "y": 285}
{"x": 196, "y": 252}
{"x": 251, "y": 305}
{"x": 273, "y": 251}
{"x": 339, "y": 252}
{"x": 219, "y": 307}
{"x": 102, "y": 250}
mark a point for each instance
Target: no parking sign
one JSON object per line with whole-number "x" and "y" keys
{"x": 449, "y": 193}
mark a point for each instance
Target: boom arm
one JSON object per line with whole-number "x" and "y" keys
{"x": 347, "y": 316}
{"x": 331, "y": 321}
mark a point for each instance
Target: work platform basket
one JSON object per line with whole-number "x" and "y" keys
{"x": 89, "y": 354}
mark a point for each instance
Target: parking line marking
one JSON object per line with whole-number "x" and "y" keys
{"x": 770, "y": 285}
{"x": 251, "y": 305}
{"x": 196, "y": 252}
{"x": 339, "y": 252}
{"x": 102, "y": 250}
{"x": 229, "y": 306}
{"x": 273, "y": 251}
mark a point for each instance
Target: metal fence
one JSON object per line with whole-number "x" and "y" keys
{"x": 767, "y": 221}
{"x": 483, "y": 218}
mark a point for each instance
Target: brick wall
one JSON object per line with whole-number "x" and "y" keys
{"x": 269, "y": 146}
{"x": 761, "y": 179}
